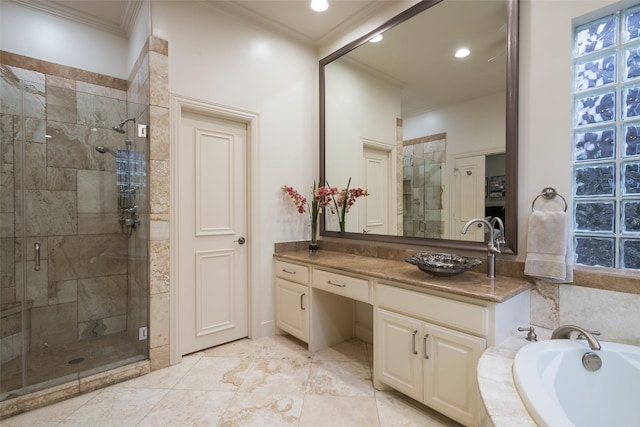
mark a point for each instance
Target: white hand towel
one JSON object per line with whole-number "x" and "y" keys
{"x": 549, "y": 252}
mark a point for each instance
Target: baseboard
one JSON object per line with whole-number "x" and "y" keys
{"x": 267, "y": 328}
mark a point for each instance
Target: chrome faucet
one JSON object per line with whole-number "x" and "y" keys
{"x": 564, "y": 332}
{"x": 500, "y": 240}
{"x": 493, "y": 247}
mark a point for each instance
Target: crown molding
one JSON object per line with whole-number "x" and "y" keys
{"x": 59, "y": 10}
{"x": 129, "y": 15}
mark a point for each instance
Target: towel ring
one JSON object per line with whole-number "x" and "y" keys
{"x": 548, "y": 193}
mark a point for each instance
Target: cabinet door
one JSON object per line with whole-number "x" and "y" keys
{"x": 397, "y": 352}
{"x": 450, "y": 363}
{"x": 292, "y": 315}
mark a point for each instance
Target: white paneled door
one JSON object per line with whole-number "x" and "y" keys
{"x": 374, "y": 217}
{"x": 212, "y": 240}
{"x": 468, "y": 196}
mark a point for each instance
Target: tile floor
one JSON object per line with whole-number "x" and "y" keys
{"x": 265, "y": 382}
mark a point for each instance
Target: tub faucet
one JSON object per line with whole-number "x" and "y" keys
{"x": 564, "y": 332}
{"x": 493, "y": 247}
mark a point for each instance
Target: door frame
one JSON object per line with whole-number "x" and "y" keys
{"x": 178, "y": 104}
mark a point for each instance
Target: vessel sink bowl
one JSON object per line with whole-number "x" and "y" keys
{"x": 442, "y": 264}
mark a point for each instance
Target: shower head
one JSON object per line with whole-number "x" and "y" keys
{"x": 118, "y": 127}
{"x": 102, "y": 149}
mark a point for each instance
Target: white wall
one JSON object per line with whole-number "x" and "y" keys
{"x": 473, "y": 126}
{"x": 140, "y": 31}
{"x": 545, "y": 100}
{"x": 36, "y": 34}
{"x": 223, "y": 59}
{"x": 359, "y": 106}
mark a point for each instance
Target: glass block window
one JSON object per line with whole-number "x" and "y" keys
{"x": 606, "y": 140}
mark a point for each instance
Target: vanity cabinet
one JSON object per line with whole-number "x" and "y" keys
{"x": 292, "y": 299}
{"x": 432, "y": 364}
{"x": 428, "y": 346}
{"x": 427, "y": 337}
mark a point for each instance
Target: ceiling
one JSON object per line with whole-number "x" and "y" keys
{"x": 293, "y": 16}
{"x": 296, "y": 18}
{"x": 418, "y": 56}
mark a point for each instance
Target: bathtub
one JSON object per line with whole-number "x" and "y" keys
{"x": 558, "y": 391}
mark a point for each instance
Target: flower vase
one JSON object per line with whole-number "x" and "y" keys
{"x": 313, "y": 246}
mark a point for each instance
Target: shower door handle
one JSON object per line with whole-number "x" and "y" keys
{"x": 36, "y": 247}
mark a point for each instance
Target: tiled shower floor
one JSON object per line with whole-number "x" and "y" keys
{"x": 57, "y": 365}
{"x": 265, "y": 382}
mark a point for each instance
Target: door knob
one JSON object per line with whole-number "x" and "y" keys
{"x": 241, "y": 240}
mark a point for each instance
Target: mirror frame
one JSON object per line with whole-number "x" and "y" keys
{"x": 511, "y": 137}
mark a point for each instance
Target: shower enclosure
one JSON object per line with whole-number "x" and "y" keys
{"x": 422, "y": 165}
{"x": 73, "y": 231}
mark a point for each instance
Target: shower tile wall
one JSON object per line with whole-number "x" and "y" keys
{"x": 70, "y": 197}
{"x": 159, "y": 202}
{"x": 423, "y": 159}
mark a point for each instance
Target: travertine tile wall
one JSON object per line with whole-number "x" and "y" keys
{"x": 614, "y": 313}
{"x": 159, "y": 353}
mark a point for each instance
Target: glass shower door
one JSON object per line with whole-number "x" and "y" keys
{"x": 67, "y": 280}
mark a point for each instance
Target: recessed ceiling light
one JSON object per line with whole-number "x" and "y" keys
{"x": 376, "y": 39}
{"x": 462, "y": 52}
{"x": 319, "y": 5}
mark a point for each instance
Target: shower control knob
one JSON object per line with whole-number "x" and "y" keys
{"x": 240, "y": 240}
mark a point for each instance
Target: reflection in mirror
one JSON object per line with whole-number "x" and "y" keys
{"x": 425, "y": 132}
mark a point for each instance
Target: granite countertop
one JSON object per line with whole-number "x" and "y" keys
{"x": 468, "y": 284}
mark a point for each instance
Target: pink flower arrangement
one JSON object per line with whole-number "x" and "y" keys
{"x": 321, "y": 197}
{"x": 298, "y": 199}
{"x": 338, "y": 201}
{"x": 346, "y": 198}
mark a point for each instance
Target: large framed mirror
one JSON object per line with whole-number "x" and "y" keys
{"x": 432, "y": 137}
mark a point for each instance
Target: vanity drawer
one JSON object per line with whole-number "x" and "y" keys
{"x": 348, "y": 286}
{"x": 293, "y": 272}
{"x": 456, "y": 314}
